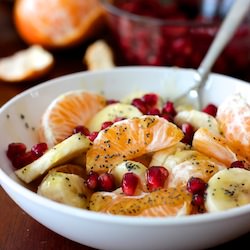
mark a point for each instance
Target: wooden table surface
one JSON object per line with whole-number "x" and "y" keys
{"x": 18, "y": 231}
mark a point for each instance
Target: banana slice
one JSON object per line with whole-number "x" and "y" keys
{"x": 65, "y": 188}
{"x": 227, "y": 189}
{"x": 112, "y": 111}
{"x": 197, "y": 119}
{"x": 129, "y": 166}
{"x": 59, "y": 154}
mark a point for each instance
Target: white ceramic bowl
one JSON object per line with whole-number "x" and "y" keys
{"x": 100, "y": 230}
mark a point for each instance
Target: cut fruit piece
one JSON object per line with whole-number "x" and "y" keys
{"x": 66, "y": 188}
{"x": 233, "y": 116}
{"x": 183, "y": 163}
{"x": 58, "y": 155}
{"x": 110, "y": 113}
{"x": 66, "y": 112}
{"x": 227, "y": 189}
{"x": 24, "y": 65}
{"x": 129, "y": 167}
{"x": 99, "y": 56}
{"x": 197, "y": 119}
{"x": 129, "y": 139}
{"x": 216, "y": 146}
{"x": 159, "y": 203}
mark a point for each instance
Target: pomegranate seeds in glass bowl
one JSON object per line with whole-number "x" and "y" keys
{"x": 175, "y": 33}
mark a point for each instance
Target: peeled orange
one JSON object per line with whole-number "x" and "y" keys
{"x": 67, "y": 111}
{"x": 57, "y": 23}
{"x": 233, "y": 116}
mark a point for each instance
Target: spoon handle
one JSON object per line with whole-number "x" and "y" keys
{"x": 225, "y": 33}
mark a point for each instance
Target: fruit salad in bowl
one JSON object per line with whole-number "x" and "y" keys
{"x": 110, "y": 149}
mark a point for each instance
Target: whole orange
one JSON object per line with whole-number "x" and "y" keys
{"x": 57, "y": 23}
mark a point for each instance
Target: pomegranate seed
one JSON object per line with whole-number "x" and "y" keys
{"x": 129, "y": 183}
{"x": 106, "y": 124}
{"x": 169, "y": 108}
{"x": 153, "y": 111}
{"x": 168, "y": 117}
{"x": 210, "y": 109}
{"x": 150, "y": 99}
{"x": 198, "y": 200}
{"x": 196, "y": 185}
{"x": 81, "y": 129}
{"x": 39, "y": 149}
{"x": 188, "y": 131}
{"x": 93, "y": 135}
{"x": 92, "y": 180}
{"x": 24, "y": 159}
{"x": 140, "y": 104}
{"x": 111, "y": 101}
{"x": 117, "y": 119}
{"x": 106, "y": 182}
{"x": 237, "y": 164}
{"x": 15, "y": 149}
{"x": 156, "y": 177}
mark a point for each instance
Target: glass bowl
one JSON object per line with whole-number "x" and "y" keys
{"x": 176, "y": 33}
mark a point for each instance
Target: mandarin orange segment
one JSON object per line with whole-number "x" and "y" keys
{"x": 198, "y": 165}
{"x": 66, "y": 112}
{"x": 206, "y": 142}
{"x": 233, "y": 116}
{"x": 159, "y": 203}
{"x": 129, "y": 139}
{"x": 183, "y": 162}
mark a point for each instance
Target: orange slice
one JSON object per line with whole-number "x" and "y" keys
{"x": 160, "y": 203}
{"x": 129, "y": 139}
{"x": 183, "y": 162}
{"x": 233, "y": 116}
{"x": 66, "y": 112}
{"x": 213, "y": 145}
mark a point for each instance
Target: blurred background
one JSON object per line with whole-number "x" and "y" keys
{"x": 153, "y": 32}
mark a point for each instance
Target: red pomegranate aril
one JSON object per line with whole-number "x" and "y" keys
{"x": 15, "y": 149}
{"x": 24, "y": 159}
{"x": 39, "y": 149}
{"x": 196, "y": 185}
{"x": 169, "y": 108}
{"x": 156, "y": 177}
{"x": 153, "y": 111}
{"x": 210, "y": 109}
{"x": 140, "y": 104}
{"x": 237, "y": 164}
{"x": 198, "y": 200}
{"x": 168, "y": 117}
{"x": 92, "y": 180}
{"x": 117, "y": 119}
{"x": 111, "y": 101}
{"x": 129, "y": 183}
{"x": 81, "y": 129}
{"x": 93, "y": 135}
{"x": 106, "y": 182}
{"x": 150, "y": 99}
{"x": 106, "y": 124}
{"x": 188, "y": 131}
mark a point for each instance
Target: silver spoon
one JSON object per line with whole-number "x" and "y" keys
{"x": 231, "y": 22}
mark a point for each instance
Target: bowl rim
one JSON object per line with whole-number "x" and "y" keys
{"x": 110, "y": 8}
{"x": 7, "y": 181}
